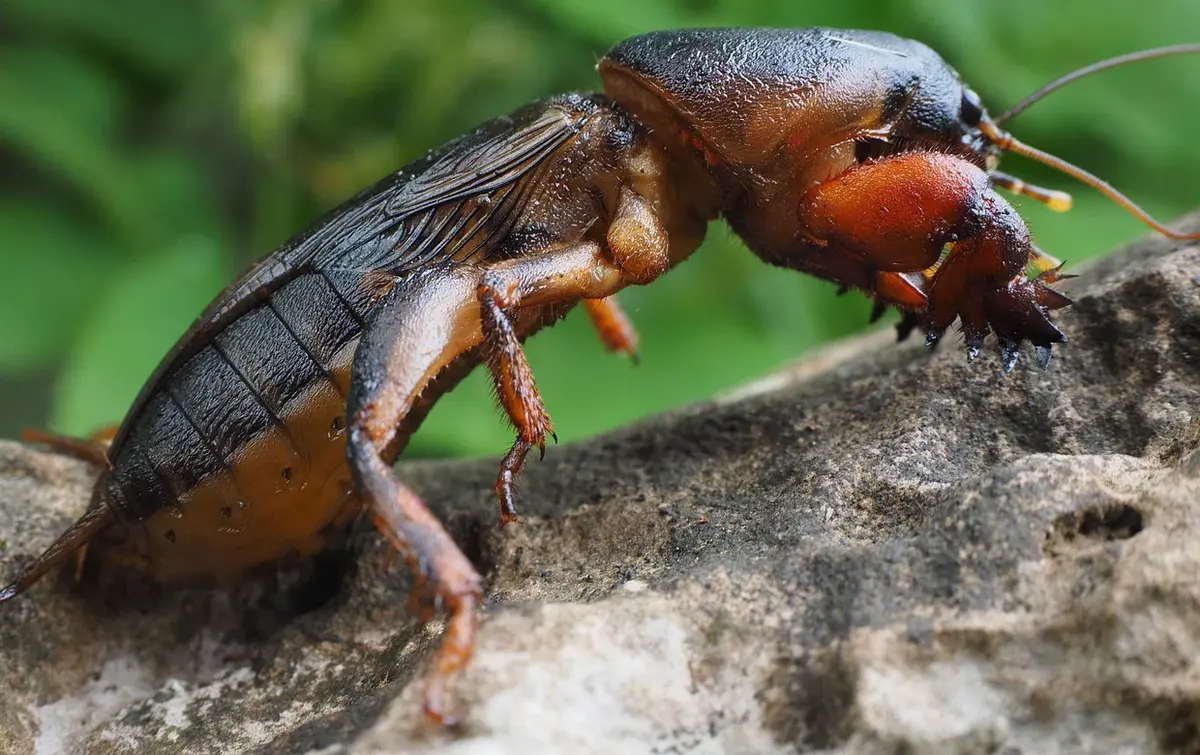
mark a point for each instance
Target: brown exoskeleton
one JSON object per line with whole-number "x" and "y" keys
{"x": 856, "y": 156}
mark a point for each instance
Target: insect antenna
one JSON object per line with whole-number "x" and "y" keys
{"x": 1061, "y": 201}
{"x": 1103, "y": 65}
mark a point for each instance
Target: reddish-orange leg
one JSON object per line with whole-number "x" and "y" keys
{"x": 421, "y": 319}
{"x": 434, "y": 320}
{"x": 896, "y": 214}
{"x": 637, "y": 251}
{"x": 613, "y": 326}
{"x": 93, "y": 449}
{"x": 518, "y": 392}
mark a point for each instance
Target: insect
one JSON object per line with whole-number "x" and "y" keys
{"x": 855, "y": 156}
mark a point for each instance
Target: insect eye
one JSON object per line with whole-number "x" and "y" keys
{"x": 972, "y": 108}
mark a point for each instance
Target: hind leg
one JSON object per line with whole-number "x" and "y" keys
{"x": 93, "y": 449}
{"x": 446, "y": 580}
{"x": 415, "y": 333}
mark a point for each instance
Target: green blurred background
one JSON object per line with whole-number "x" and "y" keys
{"x": 150, "y": 150}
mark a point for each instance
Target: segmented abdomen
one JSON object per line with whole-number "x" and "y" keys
{"x": 240, "y": 452}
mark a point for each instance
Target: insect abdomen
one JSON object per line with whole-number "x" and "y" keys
{"x": 239, "y": 457}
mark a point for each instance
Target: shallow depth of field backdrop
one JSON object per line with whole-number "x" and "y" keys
{"x": 150, "y": 150}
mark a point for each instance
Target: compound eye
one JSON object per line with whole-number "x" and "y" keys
{"x": 972, "y": 108}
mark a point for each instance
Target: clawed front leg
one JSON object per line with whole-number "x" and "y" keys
{"x": 898, "y": 213}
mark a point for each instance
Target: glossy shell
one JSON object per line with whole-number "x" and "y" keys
{"x": 234, "y": 454}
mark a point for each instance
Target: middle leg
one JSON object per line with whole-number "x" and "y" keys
{"x": 636, "y": 250}
{"x": 572, "y": 272}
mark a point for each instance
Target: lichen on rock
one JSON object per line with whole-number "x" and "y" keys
{"x": 879, "y": 550}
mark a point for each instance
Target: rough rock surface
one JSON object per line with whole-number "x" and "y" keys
{"x": 881, "y": 550}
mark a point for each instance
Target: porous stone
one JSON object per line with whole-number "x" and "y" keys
{"x": 879, "y": 550}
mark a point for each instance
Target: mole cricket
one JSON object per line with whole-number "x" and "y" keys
{"x": 855, "y": 156}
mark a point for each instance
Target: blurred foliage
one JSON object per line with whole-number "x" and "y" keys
{"x": 151, "y": 150}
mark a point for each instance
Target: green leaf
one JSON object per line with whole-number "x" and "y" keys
{"x": 85, "y": 92}
{"x": 146, "y": 310}
{"x": 158, "y": 37}
{"x": 59, "y": 112}
{"x": 611, "y": 21}
{"x": 44, "y": 123}
{"x": 53, "y": 271}
{"x": 173, "y": 196}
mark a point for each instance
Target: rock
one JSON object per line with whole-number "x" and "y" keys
{"x": 881, "y": 550}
